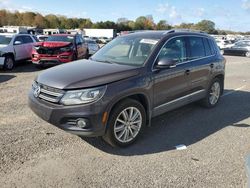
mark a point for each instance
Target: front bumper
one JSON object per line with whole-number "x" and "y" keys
{"x": 61, "y": 116}
{"x": 2, "y": 59}
{"x": 51, "y": 59}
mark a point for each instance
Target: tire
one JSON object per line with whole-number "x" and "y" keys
{"x": 9, "y": 63}
{"x": 222, "y": 52}
{"x": 121, "y": 131}
{"x": 247, "y": 54}
{"x": 213, "y": 94}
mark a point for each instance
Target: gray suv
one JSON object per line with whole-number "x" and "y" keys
{"x": 133, "y": 78}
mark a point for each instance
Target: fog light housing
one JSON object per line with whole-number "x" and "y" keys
{"x": 81, "y": 123}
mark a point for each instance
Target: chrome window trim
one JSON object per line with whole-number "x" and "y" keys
{"x": 179, "y": 99}
{"x": 188, "y": 61}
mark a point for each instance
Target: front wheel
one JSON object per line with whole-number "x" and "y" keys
{"x": 247, "y": 54}
{"x": 213, "y": 94}
{"x": 9, "y": 63}
{"x": 126, "y": 123}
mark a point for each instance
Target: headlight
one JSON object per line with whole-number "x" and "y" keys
{"x": 34, "y": 85}
{"x": 36, "y": 48}
{"x": 83, "y": 96}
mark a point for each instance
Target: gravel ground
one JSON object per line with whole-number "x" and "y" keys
{"x": 35, "y": 154}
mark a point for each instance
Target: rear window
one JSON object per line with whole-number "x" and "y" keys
{"x": 60, "y": 38}
{"x": 213, "y": 46}
{"x": 196, "y": 47}
{"x": 207, "y": 47}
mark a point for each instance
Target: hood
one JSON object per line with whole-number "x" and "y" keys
{"x": 85, "y": 74}
{"x": 51, "y": 44}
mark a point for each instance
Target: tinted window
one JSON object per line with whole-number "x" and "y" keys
{"x": 175, "y": 49}
{"x": 196, "y": 47}
{"x": 207, "y": 47}
{"x": 27, "y": 39}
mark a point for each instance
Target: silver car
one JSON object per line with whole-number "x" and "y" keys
{"x": 93, "y": 47}
{"x": 14, "y": 48}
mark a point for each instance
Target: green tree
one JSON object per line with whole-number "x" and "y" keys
{"x": 206, "y": 26}
{"x": 163, "y": 25}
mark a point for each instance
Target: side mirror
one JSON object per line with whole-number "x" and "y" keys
{"x": 165, "y": 63}
{"x": 17, "y": 42}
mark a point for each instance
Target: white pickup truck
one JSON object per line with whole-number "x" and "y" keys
{"x": 14, "y": 48}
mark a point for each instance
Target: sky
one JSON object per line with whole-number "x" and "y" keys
{"x": 227, "y": 14}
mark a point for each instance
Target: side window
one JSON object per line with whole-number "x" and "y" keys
{"x": 196, "y": 47}
{"x": 27, "y": 39}
{"x": 78, "y": 40}
{"x": 212, "y": 46}
{"x": 207, "y": 47}
{"x": 19, "y": 40}
{"x": 175, "y": 49}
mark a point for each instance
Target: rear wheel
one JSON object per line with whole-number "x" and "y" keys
{"x": 213, "y": 94}
{"x": 9, "y": 63}
{"x": 126, "y": 123}
{"x": 247, "y": 54}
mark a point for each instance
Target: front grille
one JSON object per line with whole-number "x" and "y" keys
{"x": 50, "y": 94}
{"x": 49, "y": 51}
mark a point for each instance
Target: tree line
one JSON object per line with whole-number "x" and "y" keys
{"x": 123, "y": 24}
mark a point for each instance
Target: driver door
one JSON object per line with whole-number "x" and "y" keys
{"x": 171, "y": 84}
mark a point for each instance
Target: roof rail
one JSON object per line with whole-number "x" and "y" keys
{"x": 183, "y": 30}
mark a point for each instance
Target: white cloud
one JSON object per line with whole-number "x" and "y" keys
{"x": 246, "y": 4}
{"x": 200, "y": 12}
{"x": 169, "y": 10}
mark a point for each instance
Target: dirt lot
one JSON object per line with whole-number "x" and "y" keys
{"x": 36, "y": 154}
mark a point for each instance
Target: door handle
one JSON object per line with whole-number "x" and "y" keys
{"x": 187, "y": 72}
{"x": 212, "y": 65}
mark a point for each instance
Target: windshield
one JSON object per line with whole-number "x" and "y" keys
{"x": 5, "y": 39}
{"x": 60, "y": 38}
{"x": 130, "y": 50}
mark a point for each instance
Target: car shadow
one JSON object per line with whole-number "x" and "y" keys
{"x": 22, "y": 67}
{"x": 187, "y": 125}
{"x": 5, "y": 78}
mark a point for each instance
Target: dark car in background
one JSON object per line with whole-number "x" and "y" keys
{"x": 130, "y": 80}
{"x": 59, "y": 48}
{"x": 240, "y": 48}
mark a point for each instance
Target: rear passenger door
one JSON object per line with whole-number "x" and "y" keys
{"x": 28, "y": 44}
{"x": 201, "y": 57}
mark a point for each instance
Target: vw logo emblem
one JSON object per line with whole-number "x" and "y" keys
{"x": 37, "y": 91}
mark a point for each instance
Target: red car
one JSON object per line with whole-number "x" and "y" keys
{"x": 59, "y": 48}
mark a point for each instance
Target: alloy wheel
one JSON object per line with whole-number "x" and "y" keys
{"x": 215, "y": 93}
{"x": 128, "y": 124}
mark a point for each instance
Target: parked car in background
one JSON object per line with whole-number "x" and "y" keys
{"x": 130, "y": 80}
{"x": 14, "y": 48}
{"x": 224, "y": 43}
{"x": 241, "y": 48}
{"x": 103, "y": 40}
{"x": 92, "y": 46}
{"x": 59, "y": 48}
{"x": 42, "y": 38}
